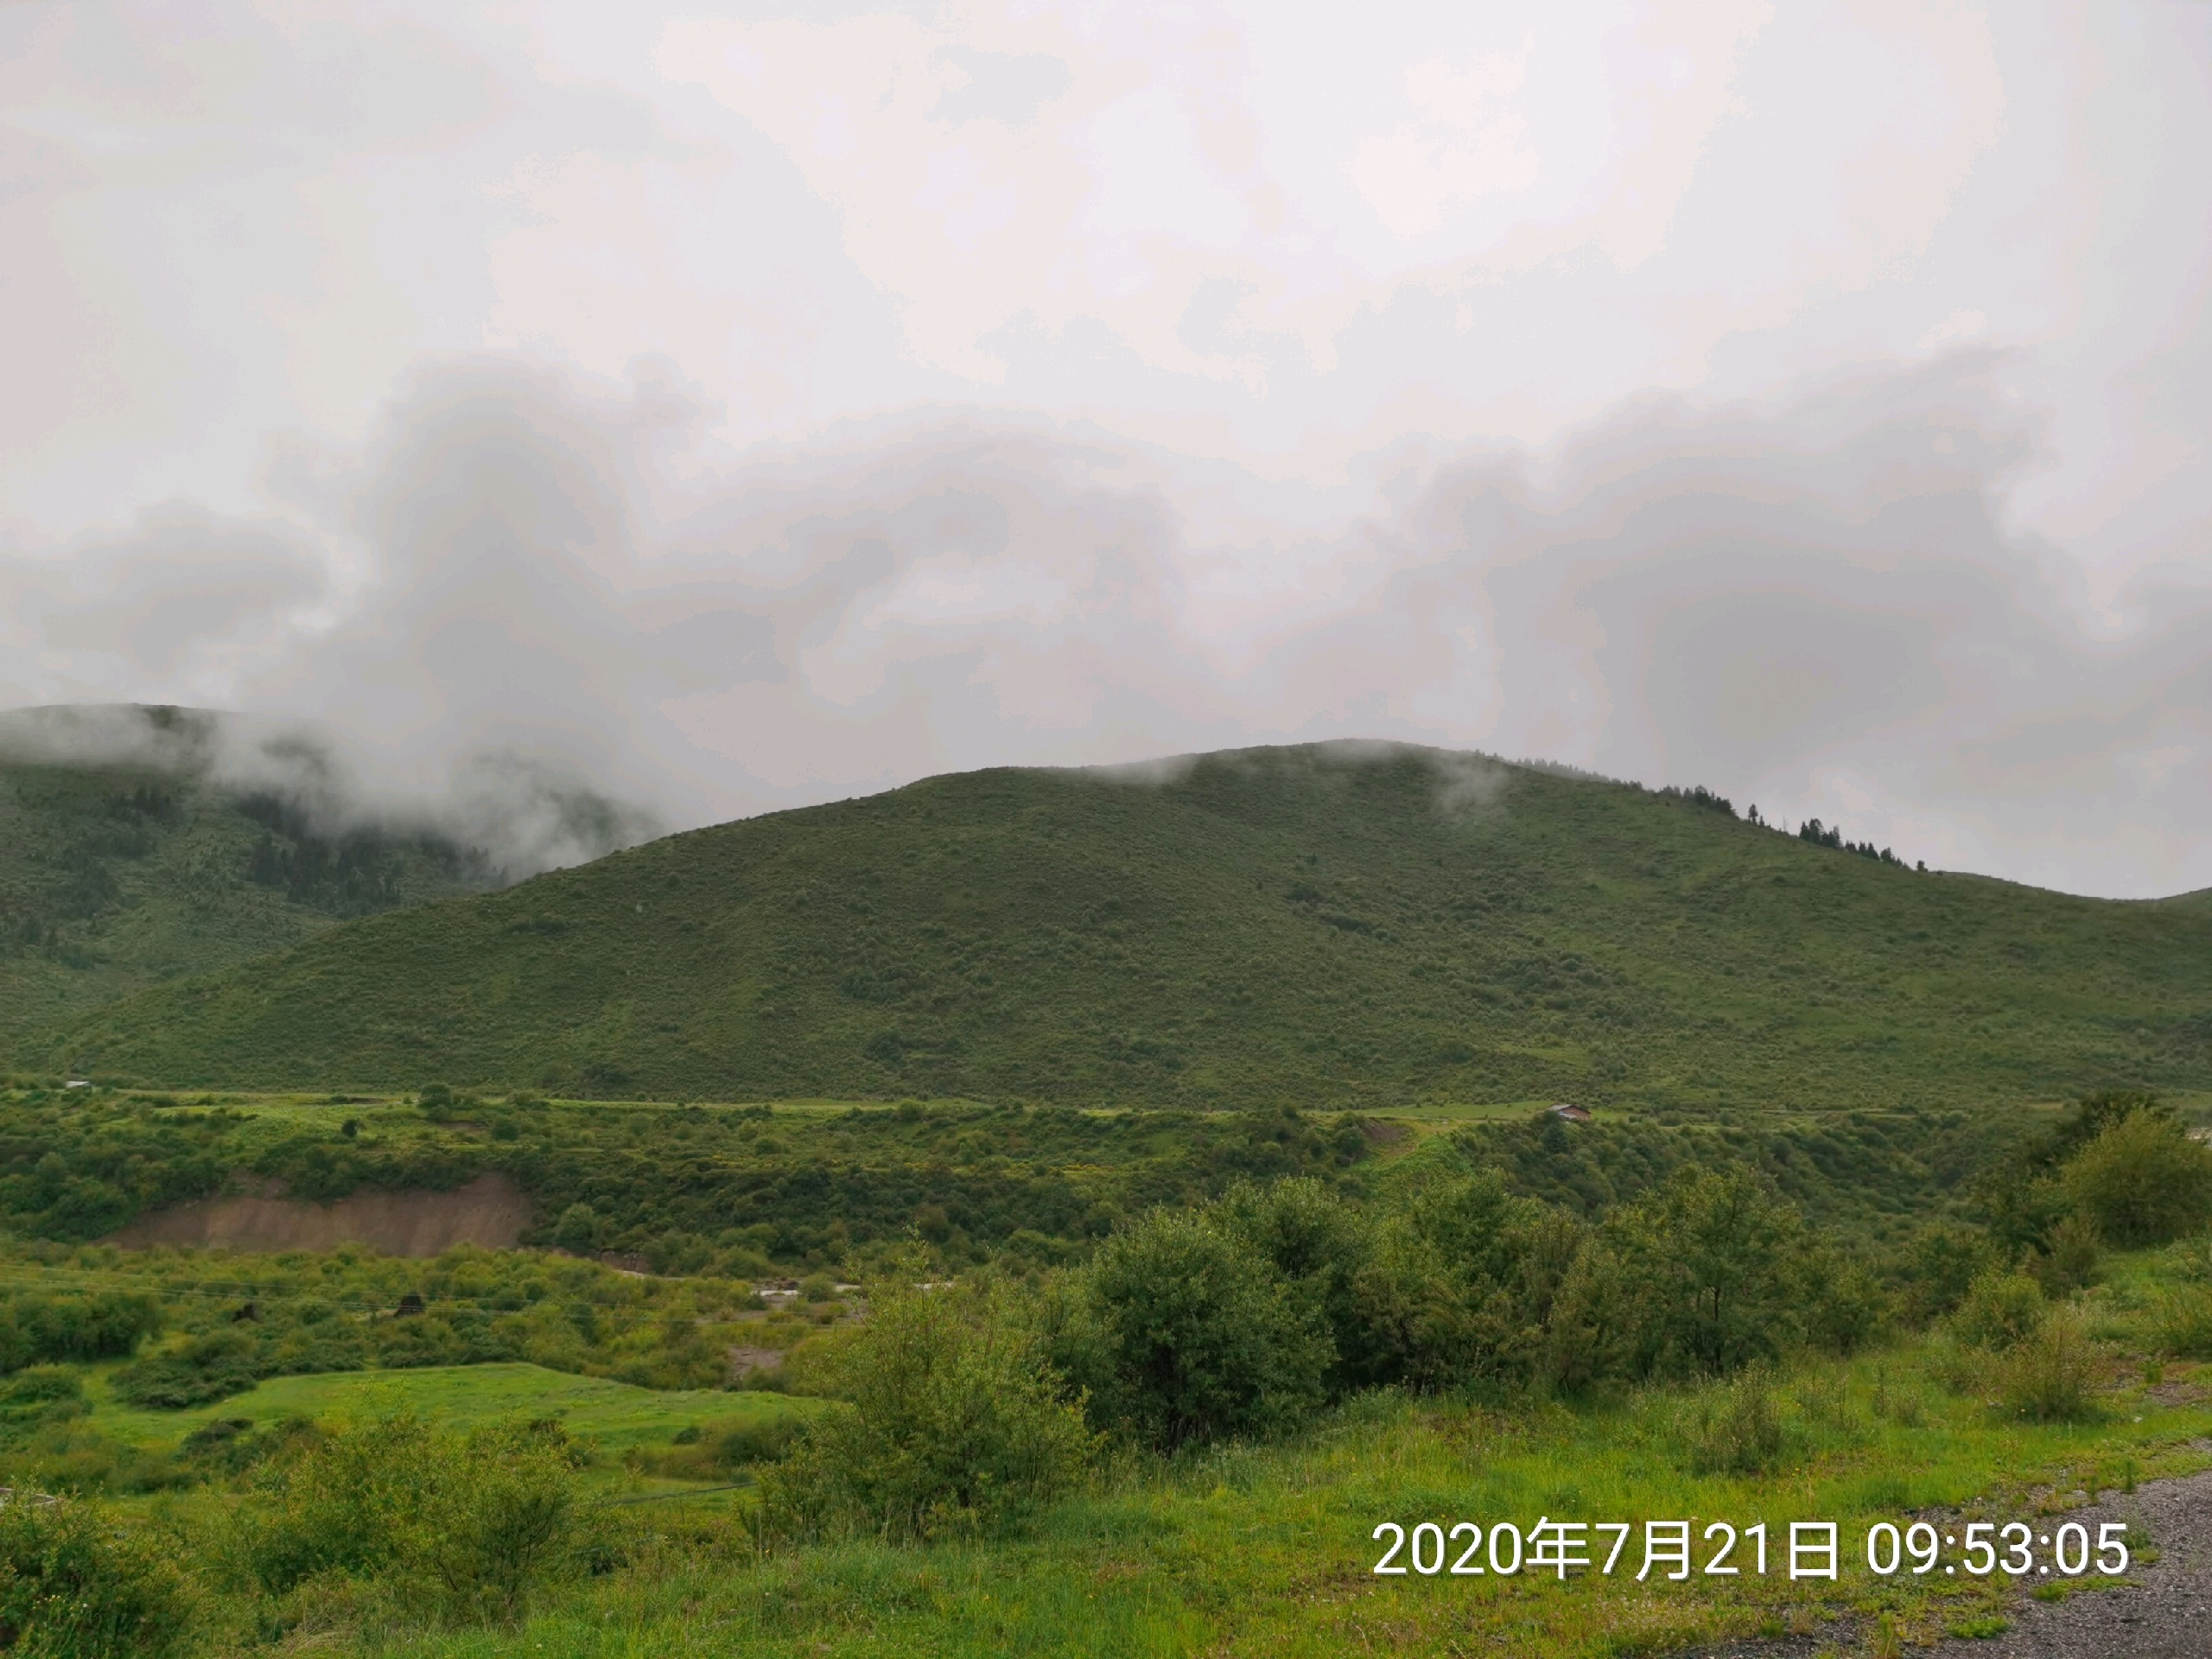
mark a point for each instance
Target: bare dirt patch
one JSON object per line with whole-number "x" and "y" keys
{"x": 490, "y": 1210}
{"x": 744, "y": 1362}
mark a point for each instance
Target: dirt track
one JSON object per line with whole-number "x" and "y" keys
{"x": 491, "y": 1210}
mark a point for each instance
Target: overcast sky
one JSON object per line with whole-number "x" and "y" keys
{"x": 757, "y": 405}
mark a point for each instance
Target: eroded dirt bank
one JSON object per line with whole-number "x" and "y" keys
{"x": 491, "y": 1210}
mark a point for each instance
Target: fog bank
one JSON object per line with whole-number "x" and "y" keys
{"x": 528, "y": 589}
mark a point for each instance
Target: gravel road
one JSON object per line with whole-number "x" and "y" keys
{"x": 2164, "y": 1611}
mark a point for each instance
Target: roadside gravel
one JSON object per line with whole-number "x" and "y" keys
{"x": 2162, "y": 1611}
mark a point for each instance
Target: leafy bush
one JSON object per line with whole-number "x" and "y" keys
{"x": 1458, "y": 1289}
{"x": 2143, "y": 1180}
{"x": 205, "y": 1368}
{"x": 462, "y": 1525}
{"x": 577, "y": 1229}
{"x": 2049, "y": 1376}
{"x": 714, "y": 1451}
{"x": 40, "y": 1395}
{"x": 37, "y": 1329}
{"x": 2001, "y": 1311}
{"x": 950, "y": 1421}
{"x": 230, "y": 1446}
{"x": 491, "y": 1532}
{"x": 768, "y": 1440}
{"x": 1935, "y": 1270}
{"x": 2068, "y": 1259}
{"x": 1710, "y": 1275}
{"x": 1845, "y": 1308}
{"x": 1186, "y": 1333}
{"x": 72, "y": 1587}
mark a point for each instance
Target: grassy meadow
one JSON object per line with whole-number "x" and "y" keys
{"x": 615, "y": 1417}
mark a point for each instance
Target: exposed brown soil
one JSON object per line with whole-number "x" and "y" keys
{"x": 743, "y": 1362}
{"x": 491, "y": 1210}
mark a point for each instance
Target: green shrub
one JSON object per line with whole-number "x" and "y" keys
{"x": 1710, "y": 1275}
{"x": 460, "y": 1525}
{"x": 1936, "y": 1269}
{"x": 2181, "y": 1324}
{"x": 1187, "y": 1334}
{"x": 72, "y": 1587}
{"x": 2049, "y": 1376}
{"x": 2143, "y": 1180}
{"x": 2068, "y": 1259}
{"x": 1845, "y": 1308}
{"x": 950, "y": 1421}
{"x": 2192, "y": 1259}
{"x": 39, "y": 1329}
{"x": 2001, "y": 1311}
{"x": 230, "y": 1446}
{"x": 41, "y": 1395}
{"x": 205, "y": 1368}
{"x": 717, "y": 1452}
{"x": 492, "y": 1531}
{"x": 1735, "y": 1427}
{"x": 1586, "y": 1338}
{"x": 761, "y": 1440}
{"x": 1322, "y": 1248}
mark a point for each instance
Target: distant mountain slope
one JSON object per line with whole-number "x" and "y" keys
{"x": 1326, "y": 927}
{"x": 122, "y": 863}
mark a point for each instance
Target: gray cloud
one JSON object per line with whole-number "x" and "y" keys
{"x": 1815, "y": 602}
{"x": 180, "y": 593}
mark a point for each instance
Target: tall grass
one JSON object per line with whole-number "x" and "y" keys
{"x": 2051, "y": 1375}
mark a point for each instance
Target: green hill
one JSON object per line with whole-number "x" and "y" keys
{"x": 121, "y": 872}
{"x": 1326, "y": 927}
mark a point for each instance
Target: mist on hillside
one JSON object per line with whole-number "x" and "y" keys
{"x": 530, "y": 598}
{"x": 523, "y": 813}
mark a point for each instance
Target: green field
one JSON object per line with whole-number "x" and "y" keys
{"x": 1286, "y": 926}
{"x": 614, "y": 1416}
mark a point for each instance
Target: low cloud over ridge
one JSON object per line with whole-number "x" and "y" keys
{"x": 1815, "y": 602}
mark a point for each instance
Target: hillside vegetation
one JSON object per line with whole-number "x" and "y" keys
{"x": 1325, "y": 926}
{"x": 1183, "y": 1443}
{"x": 733, "y": 1191}
{"x": 124, "y": 873}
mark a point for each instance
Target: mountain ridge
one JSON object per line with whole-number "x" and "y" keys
{"x": 126, "y": 860}
{"x": 1327, "y": 925}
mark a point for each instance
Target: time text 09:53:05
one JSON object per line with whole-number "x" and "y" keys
{"x": 1677, "y": 1550}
